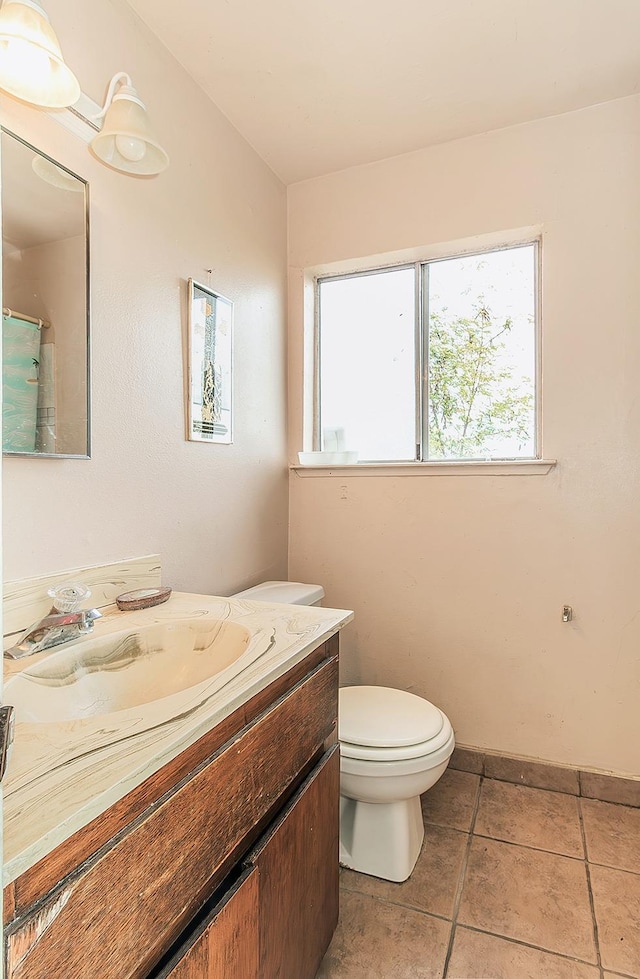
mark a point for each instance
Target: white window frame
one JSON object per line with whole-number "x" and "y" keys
{"x": 420, "y": 465}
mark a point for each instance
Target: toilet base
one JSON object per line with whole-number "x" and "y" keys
{"x": 381, "y": 839}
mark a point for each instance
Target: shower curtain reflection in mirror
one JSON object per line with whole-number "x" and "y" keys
{"x": 20, "y": 375}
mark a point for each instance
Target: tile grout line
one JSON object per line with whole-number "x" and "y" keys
{"x": 529, "y": 785}
{"x": 397, "y": 904}
{"x": 530, "y": 846}
{"x": 537, "y": 948}
{"x": 461, "y": 880}
{"x": 590, "y": 889}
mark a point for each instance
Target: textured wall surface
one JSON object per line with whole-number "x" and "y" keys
{"x": 458, "y": 582}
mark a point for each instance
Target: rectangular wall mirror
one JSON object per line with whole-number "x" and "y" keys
{"x": 45, "y": 305}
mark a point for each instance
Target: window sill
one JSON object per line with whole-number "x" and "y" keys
{"x": 511, "y": 467}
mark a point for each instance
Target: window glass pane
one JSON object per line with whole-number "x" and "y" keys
{"x": 481, "y": 360}
{"x": 367, "y": 362}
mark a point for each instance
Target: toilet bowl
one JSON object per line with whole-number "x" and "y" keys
{"x": 393, "y": 747}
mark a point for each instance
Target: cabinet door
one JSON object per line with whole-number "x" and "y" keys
{"x": 225, "y": 946}
{"x": 298, "y": 865}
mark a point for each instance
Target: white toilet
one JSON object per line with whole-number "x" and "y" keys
{"x": 393, "y": 747}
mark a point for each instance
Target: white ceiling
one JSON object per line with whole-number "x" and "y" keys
{"x": 318, "y": 87}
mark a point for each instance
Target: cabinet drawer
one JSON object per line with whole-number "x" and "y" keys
{"x": 126, "y": 906}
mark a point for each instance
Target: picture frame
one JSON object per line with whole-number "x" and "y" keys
{"x": 210, "y": 353}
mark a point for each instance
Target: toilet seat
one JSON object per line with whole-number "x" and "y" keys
{"x": 383, "y": 717}
{"x": 401, "y": 752}
{"x": 379, "y": 768}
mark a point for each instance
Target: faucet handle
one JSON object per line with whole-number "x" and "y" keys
{"x": 88, "y": 617}
{"x": 68, "y": 596}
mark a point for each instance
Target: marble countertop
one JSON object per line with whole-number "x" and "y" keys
{"x": 62, "y": 775}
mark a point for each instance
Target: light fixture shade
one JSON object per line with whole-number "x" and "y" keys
{"x": 56, "y": 176}
{"x": 126, "y": 141}
{"x": 31, "y": 64}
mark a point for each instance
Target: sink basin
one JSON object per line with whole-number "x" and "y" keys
{"x": 116, "y": 672}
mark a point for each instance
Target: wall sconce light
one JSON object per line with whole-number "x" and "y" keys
{"x": 31, "y": 64}
{"x": 126, "y": 141}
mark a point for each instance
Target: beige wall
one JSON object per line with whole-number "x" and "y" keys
{"x": 216, "y": 514}
{"x": 458, "y": 582}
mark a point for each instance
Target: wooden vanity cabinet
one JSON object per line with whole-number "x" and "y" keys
{"x": 231, "y": 872}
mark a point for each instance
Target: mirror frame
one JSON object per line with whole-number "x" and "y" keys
{"x": 63, "y": 455}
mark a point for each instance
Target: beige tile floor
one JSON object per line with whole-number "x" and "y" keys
{"x": 512, "y": 883}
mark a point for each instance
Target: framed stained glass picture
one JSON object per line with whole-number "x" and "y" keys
{"x": 210, "y": 399}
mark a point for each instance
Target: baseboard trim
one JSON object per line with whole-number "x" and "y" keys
{"x": 603, "y": 786}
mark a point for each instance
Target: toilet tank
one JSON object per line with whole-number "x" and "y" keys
{"x": 286, "y": 592}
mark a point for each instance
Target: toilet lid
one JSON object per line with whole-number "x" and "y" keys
{"x": 399, "y": 753}
{"x": 386, "y": 718}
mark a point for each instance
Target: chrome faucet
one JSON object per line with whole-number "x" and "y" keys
{"x": 62, "y": 624}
